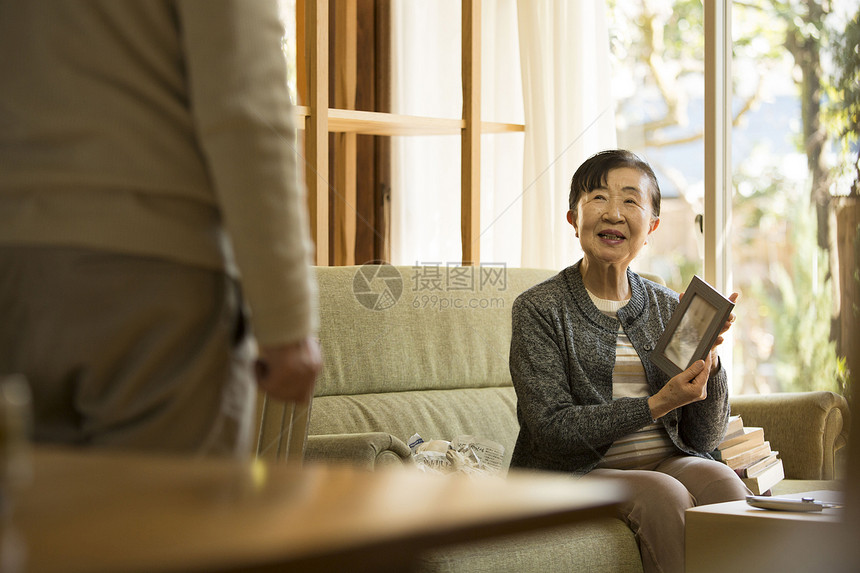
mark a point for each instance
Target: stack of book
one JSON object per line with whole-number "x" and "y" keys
{"x": 747, "y": 452}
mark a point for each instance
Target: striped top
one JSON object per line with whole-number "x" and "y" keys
{"x": 650, "y": 444}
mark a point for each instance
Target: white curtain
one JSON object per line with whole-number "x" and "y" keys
{"x": 425, "y": 194}
{"x": 502, "y": 153}
{"x": 544, "y": 64}
{"x": 569, "y": 115}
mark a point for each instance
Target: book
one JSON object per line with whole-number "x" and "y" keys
{"x": 755, "y": 468}
{"x": 765, "y": 480}
{"x": 745, "y": 441}
{"x": 735, "y": 426}
{"x": 745, "y": 458}
{"x": 734, "y": 430}
{"x": 745, "y": 450}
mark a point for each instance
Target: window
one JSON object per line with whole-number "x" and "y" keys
{"x": 788, "y": 176}
{"x": 785, "y": 173}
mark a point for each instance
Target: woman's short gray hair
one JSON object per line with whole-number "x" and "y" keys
{"x": 592, "y": 174}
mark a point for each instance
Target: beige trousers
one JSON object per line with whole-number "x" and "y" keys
{"x": 658, "y": 498}
{"x": 126, "y": 351}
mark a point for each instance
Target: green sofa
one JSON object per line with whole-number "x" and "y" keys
{"x": 425, "y": 350}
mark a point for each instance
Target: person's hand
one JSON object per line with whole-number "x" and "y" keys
{"x": 689, "y": 386}
{"x": 715, "y": 359}
{"x": 288, "y": 372}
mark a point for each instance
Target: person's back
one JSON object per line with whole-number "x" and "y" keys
{"x": 141, "y": 144}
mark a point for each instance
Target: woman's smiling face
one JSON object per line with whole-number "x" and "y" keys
{"x": 613, "y": 221}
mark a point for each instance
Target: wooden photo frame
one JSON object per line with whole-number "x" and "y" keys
{"x": 693, "y": 328}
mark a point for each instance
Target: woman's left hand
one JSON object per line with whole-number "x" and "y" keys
{"x": 715, "y": 359}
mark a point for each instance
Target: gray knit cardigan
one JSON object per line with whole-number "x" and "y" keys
{"x": 561, "y": 361}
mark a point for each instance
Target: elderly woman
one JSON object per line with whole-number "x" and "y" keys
{"x": 590, "y": 401}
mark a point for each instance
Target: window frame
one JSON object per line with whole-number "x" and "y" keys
{"x": 718, "y": 139}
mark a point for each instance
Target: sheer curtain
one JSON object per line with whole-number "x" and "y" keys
{"x": 425, "y": 194}
{"x": 569, "y": 115}
{"x": 545, "y": 64}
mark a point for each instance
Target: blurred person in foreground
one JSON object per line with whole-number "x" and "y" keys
{"x": 590, "y": 402}
{"x": 148, "y": 185}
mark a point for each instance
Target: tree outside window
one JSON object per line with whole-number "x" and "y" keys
{"x": 794, "y": 155}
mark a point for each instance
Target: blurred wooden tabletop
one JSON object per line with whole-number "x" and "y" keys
{"x": 95, "y": 510}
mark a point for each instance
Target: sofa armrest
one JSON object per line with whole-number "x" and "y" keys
{"x": 806, "y": 428}
{"x": 369, "y": 450}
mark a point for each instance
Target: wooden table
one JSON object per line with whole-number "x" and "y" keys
{"x": 735, "y": 536}
{"x": 92, "y": 511}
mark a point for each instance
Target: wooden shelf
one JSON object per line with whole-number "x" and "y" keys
{"x": 318, "y": 120}
{"x": 375, "y": 123}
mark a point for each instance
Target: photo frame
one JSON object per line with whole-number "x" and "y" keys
{"x": 693, "y": 328}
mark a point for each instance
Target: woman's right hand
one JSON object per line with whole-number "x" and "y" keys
{"x": 689, "y": 386}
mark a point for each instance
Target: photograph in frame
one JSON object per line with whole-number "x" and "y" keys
{"x": 693, "y": 328}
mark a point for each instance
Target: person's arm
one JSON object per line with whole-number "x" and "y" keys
{"x": 240, "y": 104}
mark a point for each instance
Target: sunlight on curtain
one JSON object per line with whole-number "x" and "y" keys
{"x": 561, "y": 92}
{"x": 425, "y": 197}
{"x": 426, "y": 81}
{"x": 425, "y": 200}
{"x": 501, "y": 154}
{"x": 569, "y": 115}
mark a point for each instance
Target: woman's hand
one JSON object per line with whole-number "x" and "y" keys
{"x": 715, "y": 359}
{"x": 689, "y": 386}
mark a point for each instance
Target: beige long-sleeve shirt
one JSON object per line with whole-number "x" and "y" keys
{"x": 158, "y": 128}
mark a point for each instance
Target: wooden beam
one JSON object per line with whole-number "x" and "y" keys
{"x": 302, "y": 80}
{"x": 316, "y": 126}
{"x": 718, "y": 141}
{"x": 470, "y": 167}
{"x": 379, "y": 123}
{"x": 345, "y": 42}
{"x": 382, "y": 145}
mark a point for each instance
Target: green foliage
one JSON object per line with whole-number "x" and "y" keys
{"x": 804, "y": 356}
{"x": 792, "y": 298}
{"x": 843, "y": 94}
{"x": 683, "y": 35}
{"x": 758, "y": 32}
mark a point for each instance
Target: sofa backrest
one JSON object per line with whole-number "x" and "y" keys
{"x": 395, "y": 329}
{"x": 418, "y": 350}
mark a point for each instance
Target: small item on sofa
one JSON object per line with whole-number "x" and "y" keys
{"x": 430, "y": 457}
{"x": 466, "y": 454}
{"x": 482, "y": 455}
{"x": 415, "y": 441}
